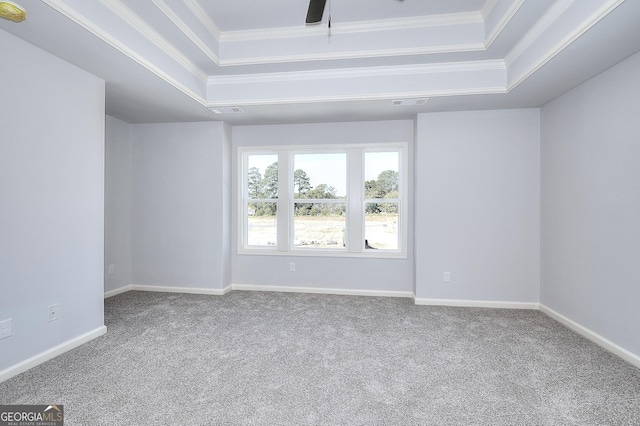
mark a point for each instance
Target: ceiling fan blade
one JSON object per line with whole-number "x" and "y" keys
{"x": 316, "y": 9}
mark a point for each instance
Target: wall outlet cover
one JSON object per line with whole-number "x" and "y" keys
{"x": 54, "y": 312}
{"x": 5, "y": 328}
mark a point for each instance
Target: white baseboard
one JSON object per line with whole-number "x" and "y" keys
{"x": 117, "y": 291}
{"x": 249, "y": 287}
{"x": 163, "y": 289}
{"x": 189, "y": 290}
{"x": 603, "y": 342}
{"x": 51, "y": 353}
{"x": 475, "y": 303}
{"x": 321, "y": 290}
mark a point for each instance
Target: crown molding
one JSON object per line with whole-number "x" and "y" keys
{"x": 81, "y": 20}
{"x": 186, "y": 30}
{"x": 371, "y": 97}
{"x": 516, "y": 62}
{"x": 140, "y": 25}
{"x": 434, "y": 80}
{"x": 502, "y": 23}
{"x": 137, "y": 23}
{"x": 458, "y": 48}
{"x": 557, "y": 10}
{"x": 383, "y": 71}
{"x": 607, "y": 7}
{"x": 355, "y": 27}
{"x": 487, "y": 8}
{"x": 199, "y": 12}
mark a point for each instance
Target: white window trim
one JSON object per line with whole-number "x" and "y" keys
{"x": 355, "y": 223}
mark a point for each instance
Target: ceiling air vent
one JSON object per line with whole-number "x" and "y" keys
{"x": 227, "y": 110}
{"x": 409, "y": 102}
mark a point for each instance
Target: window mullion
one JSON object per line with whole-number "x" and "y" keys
{"x": 355, "y": 209}
{"x": 243, "y": 231}
{"x": 284, "y": 217}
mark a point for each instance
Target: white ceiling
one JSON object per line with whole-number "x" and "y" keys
{"x": 177, "y": 60}
{"x": 233, "y": 16}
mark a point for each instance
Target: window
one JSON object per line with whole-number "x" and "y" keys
{"x": 319, "y": 200}
{"x": 262, "y": 196}
{"x": 329, "y": 200}
{"x": 381, "y": 200}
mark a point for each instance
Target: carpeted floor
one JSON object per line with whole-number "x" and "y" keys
{"x": 294, "y": 359}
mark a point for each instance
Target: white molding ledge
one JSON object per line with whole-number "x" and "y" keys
{"x": 518, "y": 73}
{"x": 318, "y": 290}
{"x": 603, "y": 342}
{"x": 51, "y": 353}
{"x": 195, "y": 93}
{"x": 440, "y": 79}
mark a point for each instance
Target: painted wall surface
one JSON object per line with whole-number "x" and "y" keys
{"x": 323, "y": 272}
{"x": 226, "y": 204}
{"x": 178, "y": 230}
{"x": 117, "y": 221}
{"x": 52, "y": 200}
{"x": 591, "y": 204}
{"x": 478, "y": 205}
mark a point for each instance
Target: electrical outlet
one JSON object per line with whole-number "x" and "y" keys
{"x": 292, "y": 266}
{"x": 112, "y": 269}
{"x": 5, "y": 328}
{"x": 447, "y": 277}
{"x": 54, "y": 312}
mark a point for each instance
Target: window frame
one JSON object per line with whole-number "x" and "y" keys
{"x": 354, "y": 200}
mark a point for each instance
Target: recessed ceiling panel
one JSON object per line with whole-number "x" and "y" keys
{"x": 239, "y": 15}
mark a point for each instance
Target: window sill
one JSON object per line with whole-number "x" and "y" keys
{"x": 372, "y": 254}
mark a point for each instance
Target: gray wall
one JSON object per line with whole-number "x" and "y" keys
{"x": 591, "y": 205}
{"x": 477, "y": 205}
{"x": 225, "y": 204}
{"x": 117, "y": 220}
{"x": 179, "y": 216}
{"x": 52, "y": 206}
{"x": 323, "y": 272}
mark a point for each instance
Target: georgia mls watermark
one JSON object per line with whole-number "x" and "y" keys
{"x": 31, "y": 415}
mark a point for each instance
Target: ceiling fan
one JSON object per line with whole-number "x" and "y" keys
{"x": 316, "y": 10}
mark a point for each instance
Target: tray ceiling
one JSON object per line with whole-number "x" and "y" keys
{"x": 166, "y": 60}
